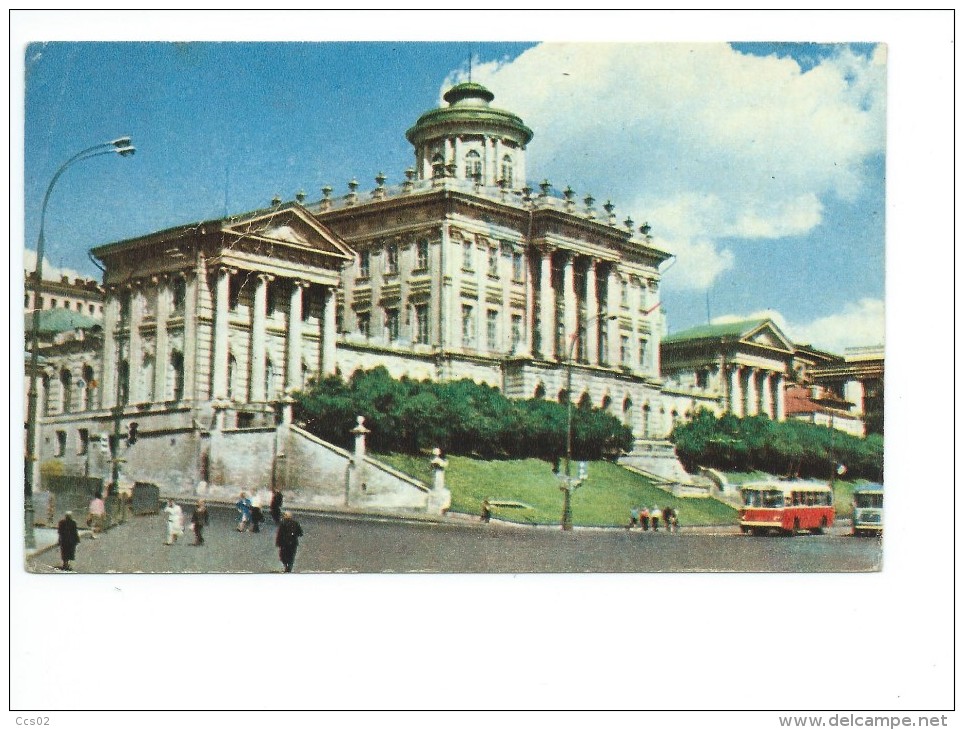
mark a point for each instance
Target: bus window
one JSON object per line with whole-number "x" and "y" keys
{"x": 773, "y": 499}
{"x": 751, "y": 498}
{"x": 869, "y": 501}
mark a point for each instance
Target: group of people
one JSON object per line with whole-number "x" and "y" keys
{"x": 646, "y": 518}
{"x": 250, "y": 513}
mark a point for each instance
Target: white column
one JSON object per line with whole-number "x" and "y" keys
{"x": 108, "y": 379}
{"x": 256, "y": 354}
{"x": 736, "y": 396}
{"x": 547, "y": 305}
{"x": 569, "y": 315}
{"x": 161, "y": 354}
{"x": 751, "y": 395}
{"x": 481, "y": 314}
{"x": 528, "y": 324}
{"x": 136, "y": 350}
{"x": 459, "y": 163}
{"x": 328, "y": 332}
{"x": 497, "y": 149}
{"x": 613, "y": 310}
{"x": 219, "y": 366}
{"x": 766, "y": 394}
{"x": 778, "y": 387}
{"x": 293, "y": 367}
{"x": 592, "y": 315}
{"x": 191, "y": 330}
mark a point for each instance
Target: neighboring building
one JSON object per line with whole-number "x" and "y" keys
{"x": 84, "y": 296}
{"x": 460, "y": 271}
{"x": 738, "y": 367}
{"x": 823, "y": 407}
{"x": 858, "y": 377}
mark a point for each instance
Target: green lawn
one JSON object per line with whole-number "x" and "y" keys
{"x": 605, "y": 499}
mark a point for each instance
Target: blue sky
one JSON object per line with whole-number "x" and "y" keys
{"x": 760, "y": 165}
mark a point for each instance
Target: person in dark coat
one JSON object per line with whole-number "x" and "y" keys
{"x": 199, "y": 520}
{"x": 275, "y": 508}
{"x": 287, "y": 540}
{"x": 68, "y": 539}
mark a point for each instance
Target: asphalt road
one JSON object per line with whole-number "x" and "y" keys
{"x": 366, "y": 545}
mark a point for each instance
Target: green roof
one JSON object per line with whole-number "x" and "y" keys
{"x": 727, "y": 330}
{"x": 60, "y": 319}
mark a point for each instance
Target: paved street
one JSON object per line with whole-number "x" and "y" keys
{"x": 346, "y": 544}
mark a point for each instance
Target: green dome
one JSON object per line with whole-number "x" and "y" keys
{"x": 468, "y": 112}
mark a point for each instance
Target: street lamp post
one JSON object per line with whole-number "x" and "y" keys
{"x": 122, "y": 147}
{"x": 571, "y": 486}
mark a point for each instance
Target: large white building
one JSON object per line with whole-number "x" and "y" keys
{"x": 461, "y": 270}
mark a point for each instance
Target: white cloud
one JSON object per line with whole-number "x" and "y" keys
{"x": 700, "y": 140}
{"x": 859, "y": 324}
{"x": 50, "y": 271}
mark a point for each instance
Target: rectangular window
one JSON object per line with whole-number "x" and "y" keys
{"x": 624, "y": 350}
{"x": 234, "y": 292}
{"x": 270, "y": 298}
{"x": 518, "y": 273}
{"x": 306, "y": 299}
{"x": 421, "y": 324}
{"x": 83, "y": 441}
{"x": 61, "y": 443}
{"x": 492, "y": 329}
{"x": 468, "y": 326}
{"x": 364, "y": 264}
{"x": 391, "y": 259}
{"x": 421, "y": 254}
{"x": 642, "y": 353}
{"x": 391, "y": 324}
{"x": 365, "y": 324}
{"x": 493, "y": 261}
{"x": 468, "y": 256}
{"x": 516, "y": 331}
{"x": 178, "y": 293}
{"x": 624, "y": 294}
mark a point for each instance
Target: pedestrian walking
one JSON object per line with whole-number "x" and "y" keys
{"x": 175, "y": 521}
{"x": 287, "y": 540}
{"x": 644, "y": 518}
{"x": 486, "y": 511}
{"x": 68, "y": 539}
{"x": 633, "y": 517}
{"x": 257, "y": 516}
{"x": 243, "y": 506}
{"x": 277, "y": 498}
{"x": 96, "y": 512}
{"x": 654, "y": 514}
{"x": 199, "y": 520}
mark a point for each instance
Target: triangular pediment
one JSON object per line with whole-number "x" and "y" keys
{"x": 768, "y": 335}
{"x": 292, "y": 225}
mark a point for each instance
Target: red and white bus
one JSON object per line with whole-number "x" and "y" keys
{"x": 788, "y": 507}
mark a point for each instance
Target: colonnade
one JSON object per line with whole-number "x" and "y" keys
{"x": 754, "y": 391}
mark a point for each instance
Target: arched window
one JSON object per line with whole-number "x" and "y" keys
{"x": 147, "y": 378}
{"x": 232, "y": 373}
{"x": 628, "y": 412}
{"x": 473, "y": 165}
{"x": 45, "y": 384}
{"x": 585, "y": 401}
{"x": 563, "y": 396}
{"x": 540, "y": 391}
{"x": 269, "y": 391}
{"x": 507, "y": 171}
{"x": 177, "y": 365}
{"x": 646, "y": 413}
{"x": 438, "y": 165}
{"x": 65, "y": 391}
{"x": 606, "y": 403}
{"x": 124, "y": 378}
{"x": 87, "y": 394}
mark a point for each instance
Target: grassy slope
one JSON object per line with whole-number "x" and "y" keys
{"x": 605, "y": 499}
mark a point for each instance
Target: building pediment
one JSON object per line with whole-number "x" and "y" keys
{"x": 292, "y": 226}
{"x": 768, "y": 335}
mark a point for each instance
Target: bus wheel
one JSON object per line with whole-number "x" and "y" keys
{"x": 796, "y": 527}
{"x": 823, "y": 526}
{"x": 744, "y": 529}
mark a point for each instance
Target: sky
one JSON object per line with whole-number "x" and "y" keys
{"x": 759, "y": 165}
